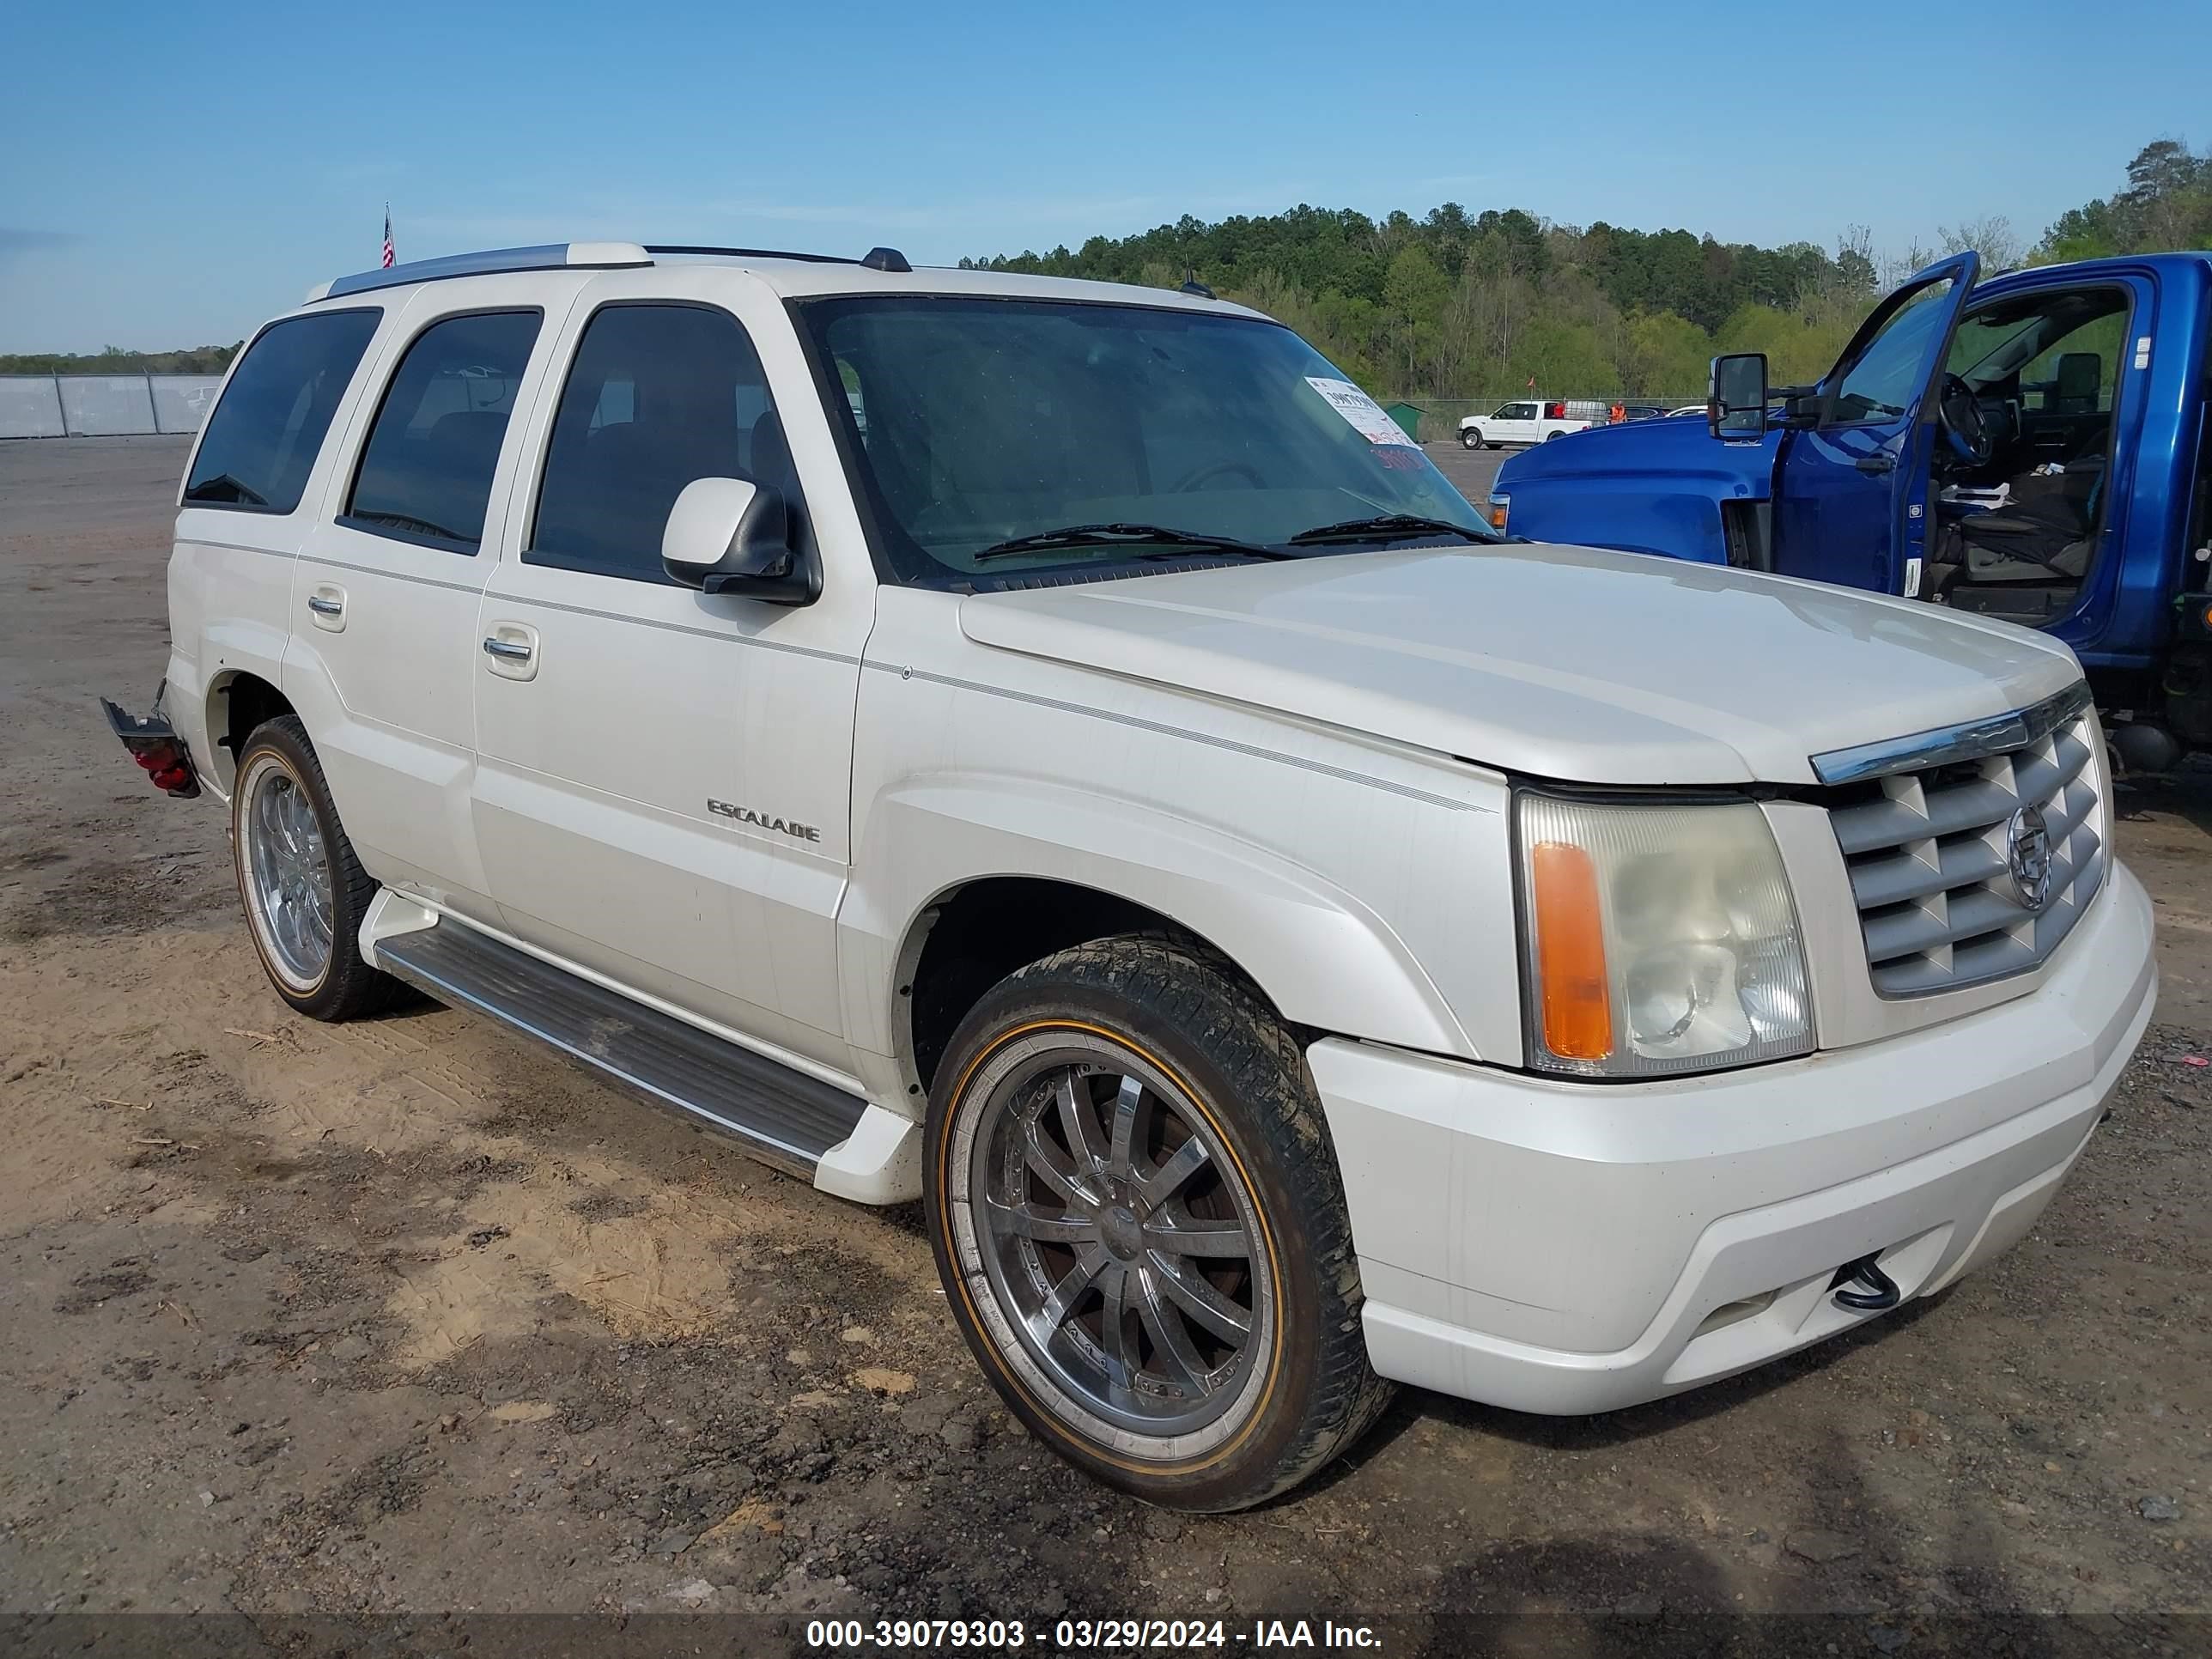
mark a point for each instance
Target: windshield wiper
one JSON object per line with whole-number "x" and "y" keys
{"x": 1119, "y": 534}
{"x": 1387, "y": 525}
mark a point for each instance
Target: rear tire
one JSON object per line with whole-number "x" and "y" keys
{"x": 1126, "y": 1152}
{"x": 303, "y": 891}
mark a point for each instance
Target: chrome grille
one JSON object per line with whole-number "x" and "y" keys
{"x": 1930, "y": 848}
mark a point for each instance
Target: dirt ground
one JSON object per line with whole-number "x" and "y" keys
{"x": 406, "y": 1317}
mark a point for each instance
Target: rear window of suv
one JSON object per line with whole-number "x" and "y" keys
{"x": 262, "y": 441}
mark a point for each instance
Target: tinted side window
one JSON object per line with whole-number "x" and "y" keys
{"x": 425, "y": 473}
{"x": 264, "y": 436}
{"x": 659, "y": 395}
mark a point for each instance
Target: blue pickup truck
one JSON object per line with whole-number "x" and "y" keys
{"x": 2032, "y": 448}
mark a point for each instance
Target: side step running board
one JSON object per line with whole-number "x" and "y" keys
{"x": 784, "y": 1116}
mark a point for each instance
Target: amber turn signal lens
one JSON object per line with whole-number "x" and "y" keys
{"x": 1499, "y": 507}
{"x": 1578, "y": 1007}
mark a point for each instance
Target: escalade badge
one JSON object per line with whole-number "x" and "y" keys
{"x": 2027, "y": 856}
{"x": 796, "y": 830}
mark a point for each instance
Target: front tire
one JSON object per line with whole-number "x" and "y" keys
{"x": 1471, "y": 438}
{"x": 303, "y": 891}
{"x": 1136, "y": 1209}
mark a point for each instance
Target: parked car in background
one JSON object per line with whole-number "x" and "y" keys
{"x": 1289, "y": 938}
{"x": 2034, "y": 449}
{"x": 1525, "y": 421}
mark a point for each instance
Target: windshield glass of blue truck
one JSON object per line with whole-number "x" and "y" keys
{"x": 976, "y": 423}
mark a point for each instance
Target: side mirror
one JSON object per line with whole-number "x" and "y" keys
{"x": 1735, "y": 406}
{"x": 729, "y": 536}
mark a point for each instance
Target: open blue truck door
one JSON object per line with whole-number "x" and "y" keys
{"x": 2037, "y": 450}
{"x": 1850, "y": 497}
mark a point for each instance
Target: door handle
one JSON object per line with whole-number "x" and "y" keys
{"x": 1876, "y": 464}
{"x": 511, "y": 651}
{"x": 327, "y": 606}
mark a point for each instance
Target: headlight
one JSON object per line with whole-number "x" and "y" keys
{"x": 1658, "y": 939}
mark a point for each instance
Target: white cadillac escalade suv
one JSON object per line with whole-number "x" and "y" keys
{"x": 1290, "y": 940}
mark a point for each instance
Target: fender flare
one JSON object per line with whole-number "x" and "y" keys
{"x": 1320, "y": 955}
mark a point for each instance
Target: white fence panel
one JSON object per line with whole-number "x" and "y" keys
{"x": 181, "y": 402}
{"x": 107, "y": 406}
{"x": 30, "y": 407}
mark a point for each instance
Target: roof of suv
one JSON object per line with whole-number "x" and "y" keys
{"x": 792, "y": 275}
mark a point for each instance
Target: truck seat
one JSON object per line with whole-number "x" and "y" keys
{"x": 2073, "y": 390}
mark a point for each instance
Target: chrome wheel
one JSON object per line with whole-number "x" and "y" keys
{"x": 285, "y": 871}
{"x": 1113, "y": 1244}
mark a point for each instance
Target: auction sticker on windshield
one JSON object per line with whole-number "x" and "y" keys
{"x": 1365, "y": 414}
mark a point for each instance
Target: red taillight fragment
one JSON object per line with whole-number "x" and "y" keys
{"x": 174, "y": 776}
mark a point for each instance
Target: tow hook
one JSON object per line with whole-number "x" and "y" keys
{"x": 154, "y": 746}
{"x": 1862, "y": 1287}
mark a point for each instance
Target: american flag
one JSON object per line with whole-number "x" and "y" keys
{"x": 387, "y": 235}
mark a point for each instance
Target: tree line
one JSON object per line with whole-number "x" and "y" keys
{"x": 1459, "y": 305}
{"x": 114, "y": 360}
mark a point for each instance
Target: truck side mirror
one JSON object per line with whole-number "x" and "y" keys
{"x": 1735, "y": 405}
{"x": 732, "y": 536}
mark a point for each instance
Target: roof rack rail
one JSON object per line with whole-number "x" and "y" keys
{"x": 549, "y": 256}
{"x": 587, "y": 256}
{"x": 753, "y": 254}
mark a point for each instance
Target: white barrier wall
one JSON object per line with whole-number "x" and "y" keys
{"x": 103, "y": 405}
{"x": 31, "y": 407}
{"x": 181, "y": 402}
{"x": 107, "y": 406}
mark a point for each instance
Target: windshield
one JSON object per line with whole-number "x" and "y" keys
{"x": 989, "y": 421}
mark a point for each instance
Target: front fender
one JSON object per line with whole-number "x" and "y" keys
{"x": 1322, "y": 956}
{"x": 1644, "y": 486}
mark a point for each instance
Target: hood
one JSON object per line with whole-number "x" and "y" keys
{"x": 1674, "y": 447}
{"x": 1557, "y": 662}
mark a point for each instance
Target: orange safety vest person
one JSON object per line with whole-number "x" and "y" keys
{"x": 1620, "y": 413}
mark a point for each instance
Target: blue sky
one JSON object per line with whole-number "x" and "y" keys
{"x": 171, "y": 174}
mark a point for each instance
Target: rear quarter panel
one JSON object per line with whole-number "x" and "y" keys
{"x": 230, "y": 584}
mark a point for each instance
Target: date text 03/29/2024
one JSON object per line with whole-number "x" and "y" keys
{"x": 1083, "y": 1634}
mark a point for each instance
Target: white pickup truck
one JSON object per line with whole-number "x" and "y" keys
{"x": 1290, "y": 940}
{"x": 1529, "y": 420}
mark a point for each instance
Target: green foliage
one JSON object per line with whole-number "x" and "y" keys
{"x": 115, "y": 360}
{"x": 1663, "y": 355}
{"x": 1456, "y": 305}
{"x": 2167, "y": 205}
{"x": 1459, "y": 305}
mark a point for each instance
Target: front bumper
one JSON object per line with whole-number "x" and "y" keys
{"x": 1567, "y": 1247}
